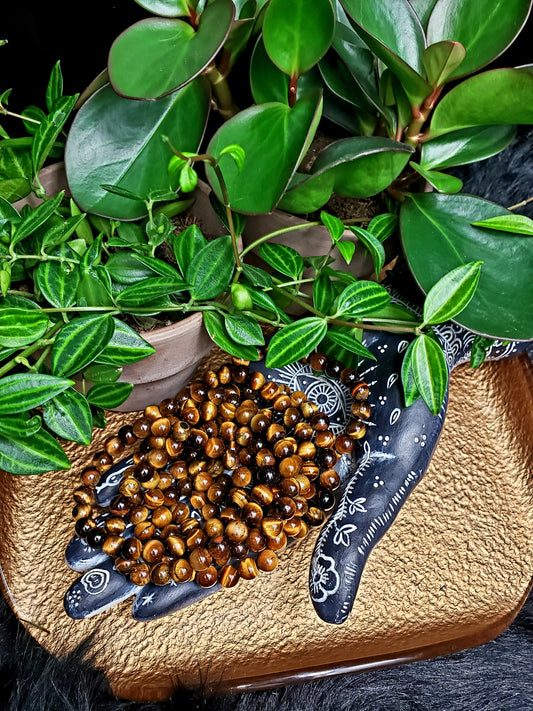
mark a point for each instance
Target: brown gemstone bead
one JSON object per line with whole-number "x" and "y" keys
{"x": 315, "y": 516}
{"x": 180, "y": 512}
{"x": 245, "y": 411}
{"x": 256, "y": 540}
{"x": 291, "y": 417}
{"x": 263, "y": 494}
{"x": 356, "y": 429}
{"x": 309, "y": 409}
{"x": 208, "y": 411}
{"x": 167, "y": 407}
{"x": 202, "y": 481}
{"x": 310, "y": 470}
{"x": 259, "y": 422}
{"x": 318, "y": 361}
{"x": 179, "y": 469}
{"x": 301, "y": 505}
{"x": 219, "y": 549}
{"x": 236, "y": 531}
{"x": 257, "y": 380}
{"x": 303, "y": 483}
{"x": 349, "y": 377}
{"x": 96, "y": 536}
{"x": 228, "y": 576}
{"x": 214, "y": 527}
{"x": 284, "y": 448}
{"x": 238, "y": 496}
{"x": 329, "y": 479}
{"x": 144, "y": 531}
{"x": 190, "y": 415}
{"x": 361, "y": 409}
{"x": 160, "y": 574}
{"x": 224, "y": 375}
{"x": 152, "y": 412}
{"x": 227, "y": 430}
{"x": 265, "y": 458}
{"x": 240, "y": 373}
{"x": 269, "y": 390}
{"x": 214, "y": 447}
{"x": 161, "y": 516}
{"x": 140, "y": 574}
{"x": 325, "y": 438}
{"x": 160, "y": 427}
{"x": 208, "y": 577}
{"x": 182, "y": 571}
{"x": 216, "y": 395}
{"x": 230, "y": 460}
{"x": 196, "y": 467}
{"x": 248, "y": 569}
{"x": 157, "y": 458}
{"x": 344, "y": 444}
{"x": 131, "y": 549}
{"x": 306, "y": 450}
{"x": 304, "y": 529}
{"x": 90, "y": 477}
{"x": 210, "y": 378}
{"x": 197, "y": 438}
{"x": 181, "y": 430}
{"x": 189, "y": 525}
{"x": 102, "y": 461}
{"x": 289, "y": 487}
{"x": 173, "y": 529}
{"x": 279, "y": 543}
{"x": 304, "y": 431}
{"x": 165, "y": 480}
{"x": 327, "y": 458}
{"x": 126, "y": 435}
{"x": 360, "y": 391}
{"x": 85, "y": 495}
{"x": 227, "y": 411}
{"x": 120, "y": 506}
{"x": 242, "y": 476}
{"x": 138, "y": 514}
{"x": 198, "y": 499}
{"x": 112, "y": 545}
{"x": 210, "y": 511}
{"x": 153, "y": 551}
{"x": 176, "y": 546}
{"x": 290, "y": 466}
{"x": 141, "y": 427}
{"x": 198, "y": 391}
{"x": 81, "y": 511}
{"x": 216, "y": 493}
{"x": 200, "y": 559}
{"x": 286, "y": 507}
{"x": 196, "y": 539}
{"x": 271, "y": 527}
{"x": 124, "y": 566}
{"x": 252, "y": 513}
{"x": 129, "y": 486}
{"x": 333, "y": 369}
{"x": 153, "y": 498}
{"x": 281, "y": 402}
{"x": 319, "y": 422}
{"x": 292, "y": 526}
{"x": 267, "y": 560}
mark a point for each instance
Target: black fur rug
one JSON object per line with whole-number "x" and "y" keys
{"x": 495, "y": 677}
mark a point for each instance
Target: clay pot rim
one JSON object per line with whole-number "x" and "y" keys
{"x": 168, "y": 332}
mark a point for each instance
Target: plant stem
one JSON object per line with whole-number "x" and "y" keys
{"x": 224, "y": 100}
{"x": 283, "y": 231}
{"x": 374, "y": 327}
{"x": 521, "y": 204}
{"x": 5, "y": 111}
{"x": 293, "y": 87}
{"x": 41, "y": 258}
{"x": 420, "y": 116}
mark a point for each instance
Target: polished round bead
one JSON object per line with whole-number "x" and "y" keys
{"x": 210, "y": 511}
{"x": 269, "y": 390}
{"x": 356, "y": 429}
{"x": 238, "y": 550}
{"x": 279, "y": 543}
{"x": 124, "y": 566}
{"x": 310, "y": 470}
{"x": 214, "y": 447}
{"x": 173, "y": 529}
{"x": 228, "y": 576}
{"x": 153, "y": 498}
{"x": 318, "y": 361}
{"x": 238, "y": 496}
{"x": 90, "y": 477}
{"x": 267, "y": 560}
{"x": 291, "y": 527}
{"x": 112, "y": 545}
{"x": 138, "y": 513}
{"x": 214, "y": 527}
{"x": 344, "y": 444}
{"x": 349, "y": 377}
{"x": 160, "y": 574}
{"x": 175, "y": 545}
{"x": 200, "y": 559}
{"x": 259, "y": 422}
{"x": 161, "y": 516}
{"x": 160, "y": 427}
{"x": 120, "y": 506}
{"x": 248, "y": 569}
{"x": 131, "y": 549}
{"x": 165, "y": 480}
{"x": 245, "y": 411}
{"x": 190, "y": 415}
{"x": 360, "y": 391}
{"x": 257, "y": 380}
{"x": 286, "y": 507}
{"x": 326, "y": 458}
{"x": 81, "y": 511}
{"x": 144, "y": 531}
{"x": 325, "y": 438}
{"x": 325, "y": 500}
{"x": 315, "y": 516}
{"x": 256, "y": 540}
{"x": 126, "y": 435}
{"x": 141, "y": 427}
{"x": 157, "y": 458}
{"x": 252, "y": 513}
{"x": 262, "y": 494}
{"x": 198, "y": 391}
{"x": 96, "y": 536}
{"x": 140, "y": 574}
{"x": 242, "y": 476}
{"x": 290, "y": 466}
{"x": 153, "y": 551}
{"x": 152, "y": 412}
{"x": 167, "y": 407}
{"x": 102, "y": 461}
{"x": 301, "y": 505}
{"x": 281, "y": 402}
{"x": 181, "y": 430}
{"x": 182, "y": 571}
{"x": 329, "y": 479}
{"x": 180, "y": 512}
{"x": 333, "y": 369}
{"x": 85, "y": 495}
{"x": 219, "y": 549}
{"x": 271, "y": 527}
{"x": 361, "y": 409}
{"x": 210, "y": 378}
{"x": 319, "y": 422}
{"x": 196, "y": 539}
{"x": 306, "y": 450}
{"x": 304, "y": 431}
{"x": 227, "y": 411}
{"x": 230, "y": 513}
{"x": 236, "y": 531}
{"x": 216, "y": 493}
{"x": 129, "y": 487}
{"x": 304, "y": 530}
{"x": 208, "y": 577}
{"x": 291, "y": 417}
{"x": 265, "y": 458}
{"x": 224, "y": 375}
{"x": 197, "y": 438}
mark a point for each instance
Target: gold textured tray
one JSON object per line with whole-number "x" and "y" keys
{"x": 452, "y": 572}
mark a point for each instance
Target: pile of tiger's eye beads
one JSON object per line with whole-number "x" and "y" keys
{"x": 225, "y": 474}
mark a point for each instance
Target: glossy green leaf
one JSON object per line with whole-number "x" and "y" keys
{"x": 306, "y": 194}
{"x": 323, "y": 294}
{"x": 383, "y": 226}
{"x": 100, "y": 373}
{"x": 334, "y": 226}
{"x": 148, "y": 290}
{"x": 99, "y": 418}
{"x": 465, "y": 146}
{"x": 410, "y": 389}
{"x": 452, "y": 293}
{"x": 35, "y": 454}
{"x": 210, "y": 272}
{"x": 24, "y": 391}
{"x": 68, "y": 415}
{"x": 79, "y": 343}
{"x": 519, "y": 224}
{"x": 126, "y": 268}
{"x": 442, "y": 182}
{"x": 394, "y": 312}
{"x": 14, "y": 189}
{"x": 21, "y": 326}
{"x": 239, "y": 34}
{"x": 441, "y": 225}
{"x": 441, "y": 60}
{"x": 423, "y": 9}
{"x": 186, "y": 246}
{"x": 282, "y": 258}
{"x": 158, "y": 55}
{"x": 37, "y": 217}
{"x": 58, "y": 282}
{"x": 295, "y": 341}
{"x": 101, "y": 151}
{"x": 347, "y": 250}
{"x": 430, "y": 371}
{"x": 479, "y": 350}
{"x": 57, "y": 234}
{"x": 54, "y": 89}
{"x": 298, "y": 34}
{"x": 93, "y": 290}
{"x": 361, "y": 298}
{"x": 347, "y": 338}
{"x": 484, "y": 28}
{"x": 269, "y": 165}
{"x": 256, "y": 276}
{"x": 214, "y": 324}
{"x": 125, "y": 346}
{"x": 244, "y": 329}
{"x": 168, "y": 8}
{"x": 158, "y": 266}
{"x": 264, "y": 301}
{"x": 108, "y": 395}
{"x": 372, "y": 245}
{"x": 500, "y": 96}
{"x": 49, "y": 129}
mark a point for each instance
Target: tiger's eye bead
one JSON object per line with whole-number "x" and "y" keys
{"x": 349, "y": 377}
{"x": 281, "y": 402}
{"x": 279, "y": 543}
{"x": 248, "y": 569}
{"x": 236, "y": 531}
{"x": 259, "y": 422}
{"x": 214, "y": 447}
{"x": 202, "y": 481}
{"x": 292, "y": 526}
{"x": 318, "y": 361}
{"x": 267, "y": 560}
{"x": 360, "y": 391}
{"x": 189, "y": 525}
{"x": 327, "y": 458}
{"x": 304, "y": 530}
{"x": 179, "y": 469}
{"x": 175, "y": 546}
{"x": 126, "y": 435}
{"x": 200, "y": 559}
{"x": 238, "y": 496}
{"x": 289, "y": 487}
{"x": 85, "y": 495}
{"x": 319, "y": 422}
{"x": 227, "y": 431}
{"x": 210, "y": 511}
{"x": 311, "y": 493}
{"x": 333, "y": 369}
{"x": 269, "y": 390}
{"x": 219, "y": 549}
{"x": 153, "y": 498}
{"x": 262, "y": 494}
{"x": 271, "y": 527}
{"x": 245, "y": 411}
{"x": 309, "y": 409}
{"x": 238, "y": 550}
{"x": 153, "y": 551}
{"x": 252, "y": 513}
{"x": 291, "y": 417}
{"x": 90, "y": 477}
{"x": 141, "y": 427}
{"x": 284, "y": 448}
{"x": 124, "y": 566}
{"x": 182, "y": 571}
{"x": 208, "y": 577}
{"x": 257, "y": 380}
{"x": 167, "y": 407}
{"x": 196, "y": 467}
{"x": 131, "y": 549}
{"x": 152, "y": 412}
{"x": 81, "y": 511}
{"x": 241, "y": 476}
{"x": 315, "y": 516}
{"x": 173, "y": 529}
{"x": 216, "y": 493}
{"x": 216, "y": 395}
{"x": 160, "y": 574}
{"x": 180, "y": 512}
{"x": 265, "y": 458}
{"x": 290, "y": 466}
{"x": 165, "y": 480}
{"x": 208, "y": 411}
{"x": 198, "y": 391}
{"x": 230, "y": 459}
{"x": 144, "y": 531}
{"x": 329, "y": 479}
{"x": 361, "y": 409}
{"x": 286, "y": 507}
{"x": 96, "y": 536}
{"x": 198, "y": 499}
{"x": 306, "y": 450}
{"x": 196, "y": 539}
{"x": 356, "y": 429}
{"x": 326, "y": 500}
{"x": 344, "y": 444}
{"x": 310, "y": 470}
{"x": 138, "y": 514}
{"x": 155, "y": 442}
{"x": 120, "y": 506}
{"x": 303, "y": 483}
{"x": 228, "y": 576}
{"x": 325, "y": 438}
{"x": 210, "y": 378}
{"x": 160, "y": 427}
{"x": 129, "y": 486}
{"x": 304, "y": 431}
{"x": 214, "y": 527}
{"x": 157, "y": 458}
{"x": 112, "y": 545}
{"x": 210, "y": 428}
{"x": 301, "y": 505}
{"x": 181, "y": 430}
{"x": 161, "y": 516}
{"x": 224, "y": 375}
{"x": 102, "y": 460}
{"x": 256, "y": 540}
{"x": 140, "y": 574}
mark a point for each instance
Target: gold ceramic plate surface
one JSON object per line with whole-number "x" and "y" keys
{"x": 452, "y": 571}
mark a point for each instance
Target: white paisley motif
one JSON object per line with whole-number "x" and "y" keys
{"x": 324, "y": 580}
{"x": 395, "y": 416}
{"x": 95, "y": 581}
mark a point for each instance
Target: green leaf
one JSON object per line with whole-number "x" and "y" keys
{"x": 126, "y": 268}
{"x": 323, "y": 294}
{"x": 452, "y": 293}
{"x": 264, "y": 301}
{"x": 442, "y": 182}
{"x": 256, "y": 276}
{"x": 148, "y": 290}
{"x": 441, "y": 226}
{"x": 284, "y": 259}
{"x": 209, "y": 274}
{"x": 295, "y": 341}
{"x": 158, "y": 266}
{"x": 305, "y": 195}
{"x": 187, "y": 245}
{"x": 24, "y": 391}
{"x": 296, "y": 35}
{"x": 334, "y": 226}
{"x": 100, "y": 373}
{"x": 347, "y": 338}
{"x": 122, "y": 192}
{"x": 79, "y": 343}
{"x": 37, "y": 217}
{"x": 466, "y": 146}
{"x": 268, "y": 166}
{"x": 49, "y": 129}
{"x": 519, "y": 224}
{"x": 394, "y": 312}
{"x": 383, "y": 226}
{"x": 14, "y": 189}
{"x": 58, "y": 281}
{"x": 214, "y": 324}
{"x": 480, "y": 346}
{"x": 410, "y": 389}
{"x": 20, "y": 454}
{"x": 99, "y": 418}
{"x": 500, "y": 96}
{"x": 99, "y": 150}
{"x": 108, "y": 395}
{"x": 244, "y": 329}
{"x": 57, "y": 234}
{"x": 373, "y": 245}
{"x": 93, "y": 290}
{"x": 157, "y": 55}
{"x": 423, "y": 9}
{"x": 125, "y": 346}
{"x": 347, "y": 250}
{"x": 168, "y": 8}
{"x": 19, "y": 327}
{"x": 54, "y": 90}
{"x": 485, "y": 29}
{"x": 441, "y": 60}
{"x": 361, "y": 298}
{"x": 430, "y": 371}
{"x": 69, "y": 416}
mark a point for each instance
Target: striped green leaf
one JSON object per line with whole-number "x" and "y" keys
{"x": 283, "y": 259}
{"x": 187, "y": 245}
{"x": 58, "y": 281}
{"x": 373, "y": 245}
{"x": 69, "y": 416}
{"x": 36, "y": 218}
{"x": 383, "y": 226}
{"x": 79, "y": 343}
{"x": 410, "y": 389}
{"x": 125, "y": 346}
{"x": 214, "y": 324}
{"x": 519, "y": 224}
{"x": 323, "y": 294}
{"x": 21, "y": 453}
{"x": 24, "y": 391}
{"x": 107, "y": 395}
{"x": 347, "y": 338}
{"x": 146, "y": 291}
{"x": 361, "y": 298}
{"x": 295, "y": 341}
{"x": 430, "y": 371}
{"x": 244, "y": 329}
{"x": 209, "y": 274}
{"x": 19, "y": 327}
{"x": 452, "y": 293}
